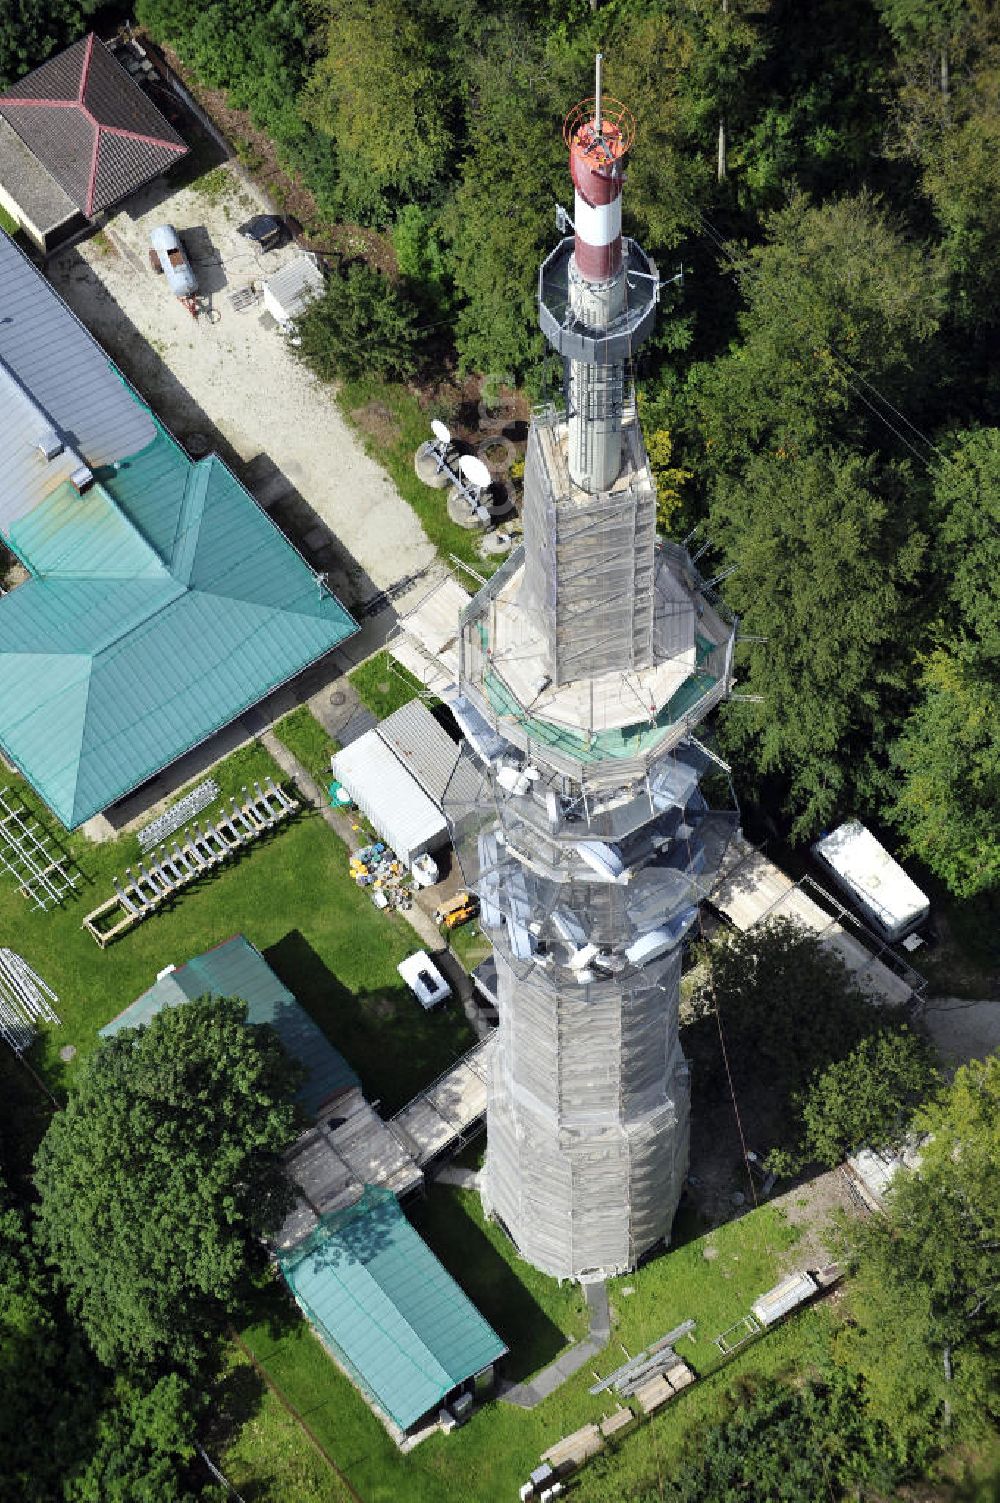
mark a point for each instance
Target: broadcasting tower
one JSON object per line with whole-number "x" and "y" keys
{"x": 586, "y": 663}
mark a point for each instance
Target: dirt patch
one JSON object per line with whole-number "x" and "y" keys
{"x": 962, "y": 1030}
{"x": 812, "y": 1207}
{"x": 378, "y": 420}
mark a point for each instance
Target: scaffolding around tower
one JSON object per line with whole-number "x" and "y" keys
{"x": 585, "y": 664}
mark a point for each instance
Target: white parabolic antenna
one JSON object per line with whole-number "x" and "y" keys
{"x": 475, "y": 471}
{"x": 440, "y": 431}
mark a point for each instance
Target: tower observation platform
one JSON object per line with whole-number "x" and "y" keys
{"x": 586, "y": 664}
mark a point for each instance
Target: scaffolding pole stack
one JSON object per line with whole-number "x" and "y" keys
{"x": 25, "y": 853}
{"x": 25, "y": 1001}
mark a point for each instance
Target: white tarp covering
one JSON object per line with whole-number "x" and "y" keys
{"x": 786, "y": 1296}
{"x": 864, "y": 869}
{"x": 392, "y": 799}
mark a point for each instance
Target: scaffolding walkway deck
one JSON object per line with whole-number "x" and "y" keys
{"x": 25, "y": 852}
{"x": 751, "y": 889}
{"x": 332, "y": 1163}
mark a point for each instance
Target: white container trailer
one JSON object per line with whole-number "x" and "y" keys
{"x": 391, "y": 797}
{"x": 877, "y": 885}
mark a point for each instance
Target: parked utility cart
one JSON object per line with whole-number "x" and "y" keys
{"x": 424, "y": 980}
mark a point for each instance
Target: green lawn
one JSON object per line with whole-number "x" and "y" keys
{"x": 468, "y": 942}
{"x": 306, "y": 739}
{"x": 261, "y": 1448}
{"x": 492, "y": 1455}
{"x": 393, "y": 425}
{"x": 7, "y": 222}
{"x": 292, "y": 897}
{"x": 384, "y": 685}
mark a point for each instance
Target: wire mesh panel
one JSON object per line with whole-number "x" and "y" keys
{"x": 26, "y": 853}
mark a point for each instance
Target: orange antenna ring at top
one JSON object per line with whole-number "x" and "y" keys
{"x": 616, "y": 135}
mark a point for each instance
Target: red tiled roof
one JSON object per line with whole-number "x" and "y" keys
{"x": 91, "y": 126}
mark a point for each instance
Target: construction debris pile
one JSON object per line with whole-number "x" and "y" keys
{"x": 374, "y": 866}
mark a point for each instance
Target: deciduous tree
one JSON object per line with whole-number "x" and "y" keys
{"x": 926, "y": 1293}
{"x": 162, "y": 1175}
{"x": 867, "y": 1098}
{"x": 362, "y": 323}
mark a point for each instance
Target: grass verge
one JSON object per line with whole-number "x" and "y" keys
{"x": 383, "y": 685}
{"x": 261, "y": 1448}
{"x": 468, "y": 943}
{"x": 492, "y": 1455}
{"x": 292, "y": 897}
{"x": 392, "y": 425}
{"x": 306, "y": 739}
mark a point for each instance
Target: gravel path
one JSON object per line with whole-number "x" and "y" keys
{"x": 528, "y": 1395}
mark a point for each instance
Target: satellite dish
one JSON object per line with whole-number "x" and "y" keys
{"x": 440, "y": 431}
{"x": 475, "y": 472}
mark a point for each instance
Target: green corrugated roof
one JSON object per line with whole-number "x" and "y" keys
{"x": 236, "y": 969}
{"x": 163, "y": 604}
{"x": 388, "y": 1309}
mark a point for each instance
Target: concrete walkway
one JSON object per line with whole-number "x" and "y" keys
{"x": 458, "y": 1175}
{"x": 527, "y": 1395}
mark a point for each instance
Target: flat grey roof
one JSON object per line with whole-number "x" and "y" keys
{"x": 34, "y": 190}
{"x": 429, "y": 754}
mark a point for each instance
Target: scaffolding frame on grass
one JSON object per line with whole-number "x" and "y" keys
{"x": 26, "y": 854}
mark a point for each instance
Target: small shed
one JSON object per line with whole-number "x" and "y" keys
{"x": 390, "y": 797}
{"x": 863, "y": 869}
{"x": 290, "y": 291}
{"x": 79, "y": 135}
{"x": 237, "y": 969}
{"x": 387, "y": 1309}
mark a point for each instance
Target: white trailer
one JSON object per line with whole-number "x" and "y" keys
{"x": 876, "y": 884}
{"x": 390, "y": 797}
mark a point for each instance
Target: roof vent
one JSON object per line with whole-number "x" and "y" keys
{"x": 49, "y": 445}
{"x": 81, "y": 479}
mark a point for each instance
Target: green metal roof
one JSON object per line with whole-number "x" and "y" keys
{"x": 622, "y": 741}
{"x": 388, "y": 1309}
{"x": 237, "y": 969}
{"x": 162, "y": 604}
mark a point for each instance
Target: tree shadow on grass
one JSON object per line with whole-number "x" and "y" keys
{"x": 237, "y": 1398}
{"x": 490, "y": 1282}
{"x": 395, "y": 1047}
{"x": 270, "y": 1307}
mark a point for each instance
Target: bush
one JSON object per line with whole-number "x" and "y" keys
{"x": 361, "y": 325}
